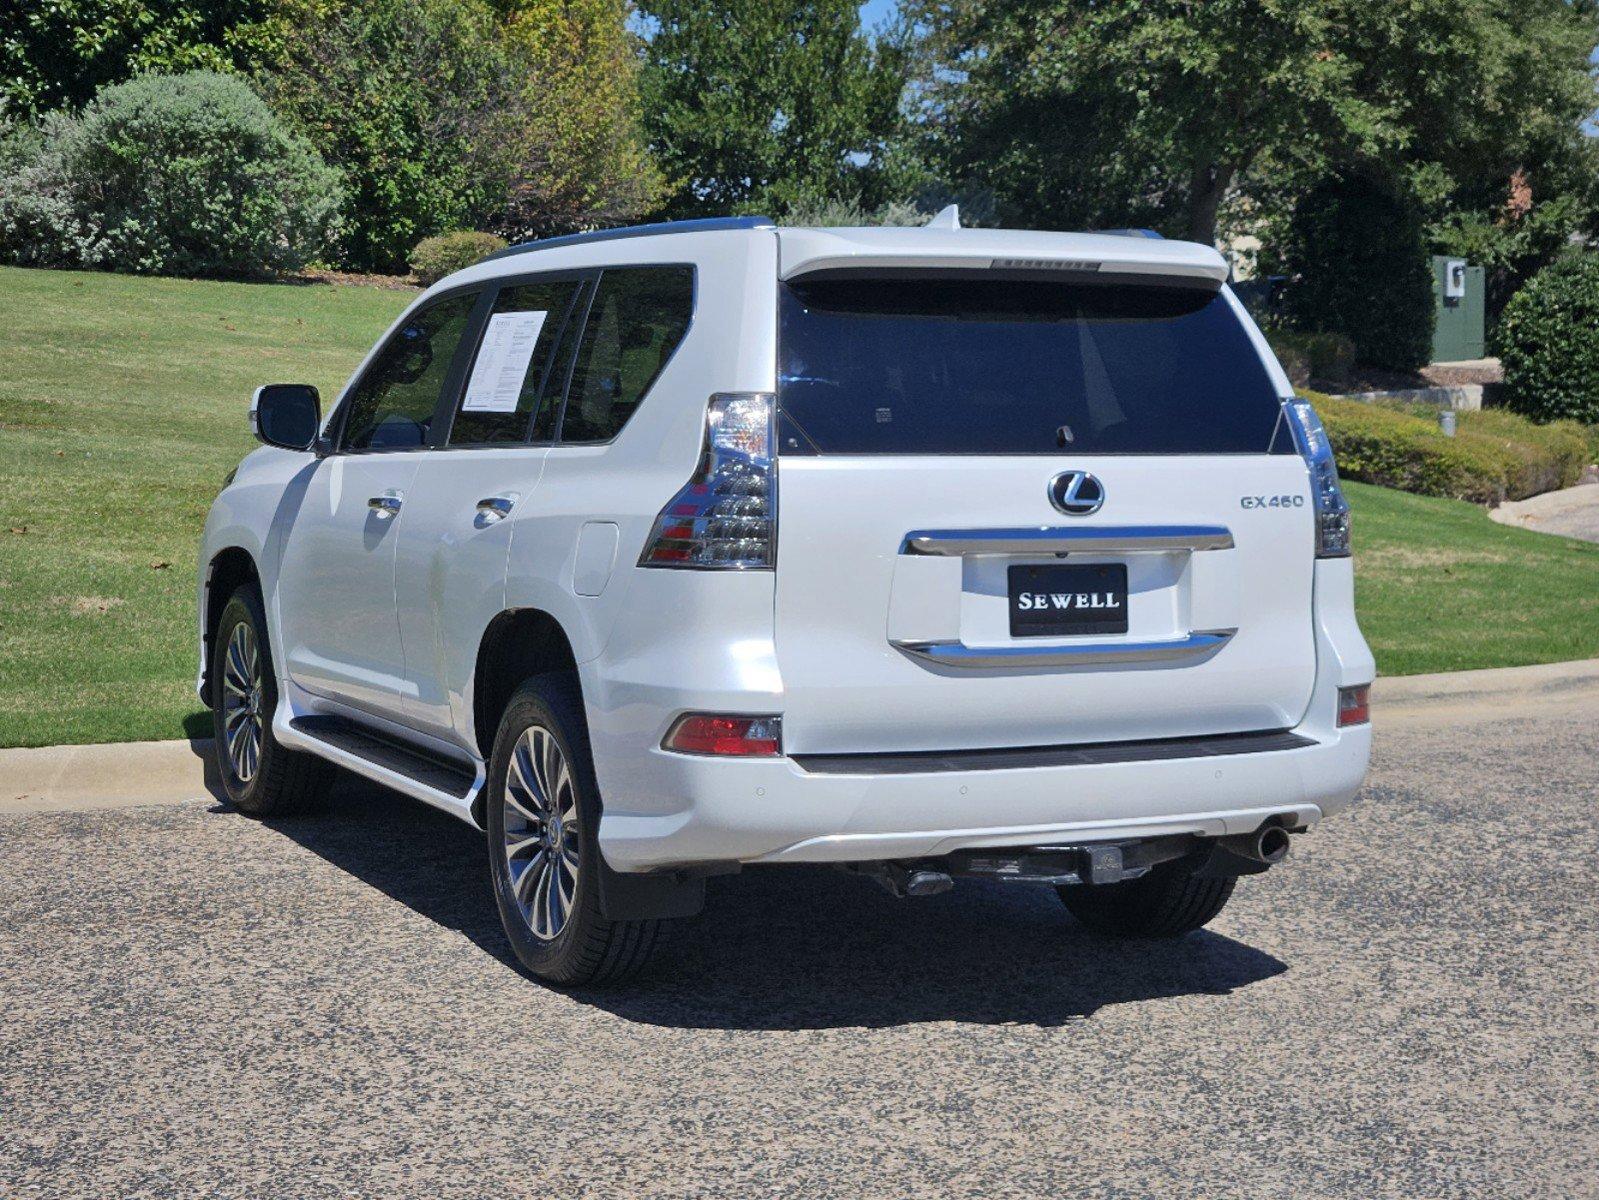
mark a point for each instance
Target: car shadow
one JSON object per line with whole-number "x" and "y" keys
{"x": 796, "y": 948}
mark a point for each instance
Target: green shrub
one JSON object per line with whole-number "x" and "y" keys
{"x": 436, "y": 257}
{"x": 1548, "y": 340}
{"x": 169, "y": 175}
{"x": 1329, "y": 356}
{"x": 1494, "y": 456}
{"x": 1291, "y": 355}
{"x": 1356, "y": 253}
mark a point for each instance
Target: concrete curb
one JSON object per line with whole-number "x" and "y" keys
{"x": 118, "y": 775}
{"x": 129, "y": 774}
{"x": 1495, "y": 683}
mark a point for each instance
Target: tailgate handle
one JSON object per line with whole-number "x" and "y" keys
{"x": 958, "y": 654}
{"x": 1128, "y": 539}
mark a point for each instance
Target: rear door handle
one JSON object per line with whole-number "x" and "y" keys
{"x": 495, "y": 508}
{"x": 387, "y": 505}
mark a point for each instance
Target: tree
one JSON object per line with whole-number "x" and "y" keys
{"x": 1113, "y": 112}
{"x": 1356, "y": 256}
{"x": 592, "y": 167}
{"x": 750, "y": 104}
{"x": 58, "y": 53}
{"x": 451, "y": 114}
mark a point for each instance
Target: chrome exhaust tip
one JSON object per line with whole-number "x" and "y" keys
{"x": 1271, "y": 844}
{"x": 1267, "y": 845}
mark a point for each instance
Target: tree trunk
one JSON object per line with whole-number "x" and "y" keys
{"x": 1207, "y": 186}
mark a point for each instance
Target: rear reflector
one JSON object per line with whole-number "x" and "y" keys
{"x": 731, "y": 737}
{"x": 1354, "y": 705}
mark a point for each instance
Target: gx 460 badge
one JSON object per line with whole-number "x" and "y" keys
{"x": 1271, "y": 501}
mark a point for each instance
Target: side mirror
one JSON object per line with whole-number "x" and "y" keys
{"x": 286, "y": 415}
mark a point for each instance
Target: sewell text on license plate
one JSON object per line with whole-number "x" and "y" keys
{"x": 1058, "y": 599}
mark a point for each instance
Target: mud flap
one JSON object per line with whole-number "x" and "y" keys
{"x": 633, "y": 897}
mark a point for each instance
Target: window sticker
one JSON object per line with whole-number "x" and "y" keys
{"x": 502, "y": 362}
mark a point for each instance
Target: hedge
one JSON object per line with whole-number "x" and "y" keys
{"x": 1494, "y": 455}
{"x": 435, "y": 257}
{"x": 1355, "y": 251}
{"x": 1548, "y": 341}
{"x": 1329, "y": 356}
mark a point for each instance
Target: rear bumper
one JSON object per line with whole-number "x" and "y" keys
{"x": 777, "y": 811}
{"x": 707, "y": 648}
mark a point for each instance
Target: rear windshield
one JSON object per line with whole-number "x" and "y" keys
{"x": 952, "y": 366}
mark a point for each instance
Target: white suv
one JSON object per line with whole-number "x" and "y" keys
{"x": 927, "y": 553}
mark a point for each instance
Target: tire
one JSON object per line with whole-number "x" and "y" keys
{"x": 543, "y": 817}
{"x": 1166, "y": 903}
{"x": 261, "y": 777}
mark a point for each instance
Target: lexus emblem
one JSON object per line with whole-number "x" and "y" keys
{"x": 1076, "y": 493}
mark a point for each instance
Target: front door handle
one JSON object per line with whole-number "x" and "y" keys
{"x": 495, "y": 508}
{"x": 387, "y": 505}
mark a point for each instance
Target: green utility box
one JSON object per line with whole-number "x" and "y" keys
{"x": 1457, "y": 291}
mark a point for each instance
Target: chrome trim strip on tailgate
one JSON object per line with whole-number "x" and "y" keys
{"x": 1054, "y": 540}
{"x": 958, "y": 654}
{"x": 917, "y": 762}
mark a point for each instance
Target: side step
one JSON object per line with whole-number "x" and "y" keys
{"x": 442, "y": 782}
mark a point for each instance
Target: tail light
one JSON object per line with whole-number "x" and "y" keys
{"x": 1326, "y": 497}
{"x": 725, "y": 516}
{"x": 1354, "y": 705}
{"x": 730, "y": 737}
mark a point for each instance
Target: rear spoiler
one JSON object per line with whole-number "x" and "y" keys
{"x": 998, "y": 253}
{"x": 1102, "y": 273}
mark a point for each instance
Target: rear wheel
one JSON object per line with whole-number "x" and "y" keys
{"x": 1167, "y": 902}
{"x": 261, "y": 777}
{"x": 544, "y": 857}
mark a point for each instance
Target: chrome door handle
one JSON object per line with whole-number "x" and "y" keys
{"x": 495, "y": 508}
{"x": 387, "y": 505}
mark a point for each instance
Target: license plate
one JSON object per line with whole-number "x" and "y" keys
{"x": 1059, "y": 599}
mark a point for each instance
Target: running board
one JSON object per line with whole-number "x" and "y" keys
{"x": 438, "y": 781}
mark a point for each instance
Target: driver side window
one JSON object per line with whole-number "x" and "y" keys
{"x": 391, "y": 407}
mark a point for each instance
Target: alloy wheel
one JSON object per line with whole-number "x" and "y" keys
{"x": 242, "y": 703}
{"x": 541, "y": 832}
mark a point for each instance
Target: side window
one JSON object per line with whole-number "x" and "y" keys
{"x": 506, "y": 381}
{"x": 391, "y": 406}
{"x": 638, "y": 317}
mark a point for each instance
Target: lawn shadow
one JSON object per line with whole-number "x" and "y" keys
{"x": 799, "y": 947}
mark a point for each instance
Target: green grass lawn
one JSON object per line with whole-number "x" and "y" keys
{"x": 1440, "y": 587}
{"x": 122, "y": 405}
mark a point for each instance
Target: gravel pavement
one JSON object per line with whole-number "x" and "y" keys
{"x": 195, "y": 1004}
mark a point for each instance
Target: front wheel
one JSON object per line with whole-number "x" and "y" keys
{"x": 261, "y": 777}
{"x": 544, "y": 855}
{"x": 1168, "y": 902}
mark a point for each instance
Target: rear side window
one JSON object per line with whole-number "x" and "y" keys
{"x": 506, "y": 382}
{"x": 637, "y": 318}
{"x": 391, "y": 407}
{"x": 952, "y": 366}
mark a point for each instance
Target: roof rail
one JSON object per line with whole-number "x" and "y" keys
{"x": 1143, "y": 233}
{"x": 701, "y": 225}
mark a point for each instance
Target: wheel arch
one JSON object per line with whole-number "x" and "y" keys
{"x": 227, "y": 569}
{"x": 516, "y": 645}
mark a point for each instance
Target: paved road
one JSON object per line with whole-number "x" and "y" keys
{"x": 192, "y": 1004}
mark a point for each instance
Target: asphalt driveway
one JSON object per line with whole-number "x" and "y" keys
{"x": 194, "y": 1004}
